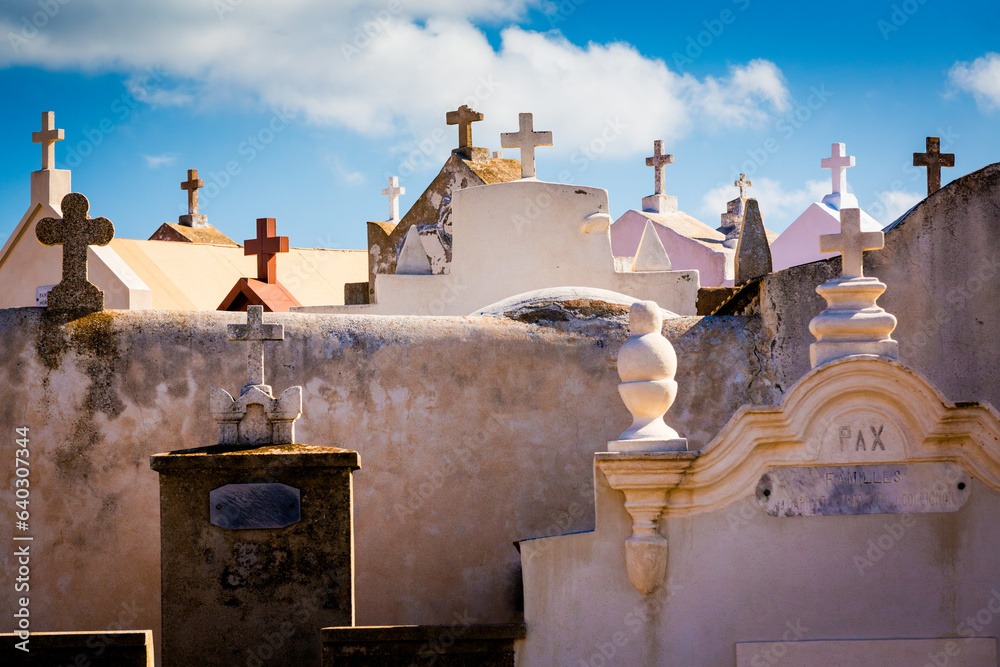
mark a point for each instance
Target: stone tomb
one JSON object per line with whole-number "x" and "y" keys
{"x": 110, "y": 648}
{"x": 898, "y": 540}
{"x": 256, "y": 532}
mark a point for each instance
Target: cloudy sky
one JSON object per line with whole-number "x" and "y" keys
{"x": 300, "y": 110}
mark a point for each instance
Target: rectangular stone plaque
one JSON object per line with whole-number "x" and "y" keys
{"x": 904, "y": 488}
{"x": 254, "y": 506}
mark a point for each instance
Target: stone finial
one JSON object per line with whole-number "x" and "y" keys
{"x": 526, "y": 139}
{"x": 193, "y": 218}
{"x": 75, "y": 231}
{"x": 753, "y": 252}
{"x": 413, "y": 259}
{"x": 838, "y": 163}
{"x": 659, "y": 201}
{"x": 647, "y": 364}
{"x": 933, "y": 159}
{"x": 732, "y": 219}
{"x": 393, "y": 192}
{"x": 256, "y": 417}
{"x": 852, "y": 322}
{"x": 266, "y": 246}
{"x": 47, "y": 137}
{"x": 650, "y": 255}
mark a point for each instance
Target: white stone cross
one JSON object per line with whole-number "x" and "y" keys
{"x": 48, "y": 137}
{"x": 851, "y": 243}
{"x": 255, "y": 332}
{"x": 837, "y": 163}
{"x": 657, "y": 161}
{"x": 393, "y": 192}
{"x": 526, "y": 139}
{"x": 743, "y": 184}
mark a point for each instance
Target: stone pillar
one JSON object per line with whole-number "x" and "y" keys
{"x": 257, "y": 552}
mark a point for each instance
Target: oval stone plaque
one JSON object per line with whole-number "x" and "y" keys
{"x": 904, "y": 488}
{"x": 254, "y": 506}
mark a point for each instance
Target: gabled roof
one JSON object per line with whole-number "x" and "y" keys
{"x": 275, "y": 298}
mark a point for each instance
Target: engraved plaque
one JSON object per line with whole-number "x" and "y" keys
{"x": 254, "y": 506}
{"x": 904, "y": 488}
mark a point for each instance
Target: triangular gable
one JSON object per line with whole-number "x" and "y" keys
{"x": 275, "y": 298}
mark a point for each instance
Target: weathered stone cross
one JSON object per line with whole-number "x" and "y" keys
{"x": 743, "y": 184}
{"x": 933, "y": 159}
{"x": 48, "y": 137}
{"x": 75, "y": 231}
{"x": 851, "y": 243}
{"x": 838, "y": 163}
{"x": 191, "y": 185}
{"x": 266, "y": 246}
{"x": 393, "y": 192}
{"x": 255, "y": 332}
{"x": 464, "y": 117}
{"x": 526, "y": 139}
{"x": 657, "y": 161}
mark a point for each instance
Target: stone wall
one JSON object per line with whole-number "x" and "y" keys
{"x": 473, "y": 433}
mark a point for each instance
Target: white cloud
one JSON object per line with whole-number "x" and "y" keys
{"x": 342, "y": 173}
{"x": 891, "y": 204}
{"x": 389, "y": 69}
{"x": 779, "y": 206}
{"x": 165, "y": 160}
{"x": 981, "y": 77}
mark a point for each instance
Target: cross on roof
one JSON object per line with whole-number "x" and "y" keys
{"x": 191, "y": 185}
{"x": 933, "y": 159}
{"x": 657, "y": 161}
{"x": 266, "y": 246}
{"x": 48, "y": 137}
{"x": 743, "y": 184}
{"x": 837, "y": 163}
{"x": 526, "y": 139}
{"x": 75, "y": 231}
{"x": 851, "y": 243}
{"x": 255, "y": 332}
{"x": 393, "y": 192}
{"x": 464, "y": 117}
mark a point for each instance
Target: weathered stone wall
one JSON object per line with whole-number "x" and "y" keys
{"x": 472, "y": 432}
{"x": 941, "y": 265}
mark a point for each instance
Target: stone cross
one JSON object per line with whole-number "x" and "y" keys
{"x": 464, "y": 117}
{"x": 851, "y": 243}
{"x": 255, "y": 332}
{"x": 75, "y": 231}
{"x": 393, "y": 192}
{"x": 48, "y": 137}
{"x": 191, "y": 185}
{"x": 837, "y": 163}
{"x": 743, "y": 184}
{"x": 933, "y": 159}
{"x": 657, "y": 161}
{"x": 526, "y": 139}
{"x": 266, "y": 246}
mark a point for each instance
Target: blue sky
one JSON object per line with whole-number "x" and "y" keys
{"x": 301, "y": 110}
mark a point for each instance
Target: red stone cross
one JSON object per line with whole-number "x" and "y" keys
{"x": 933, "y": 159}
{"x": 191, "y": 185}
{"x": 266, "y": 246}
{"x": 464, "y": 117}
